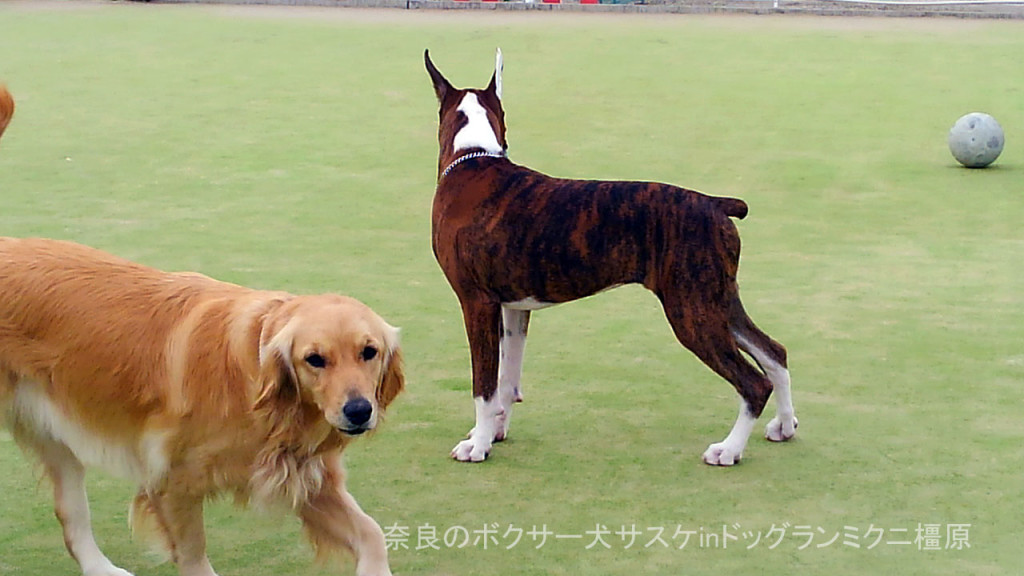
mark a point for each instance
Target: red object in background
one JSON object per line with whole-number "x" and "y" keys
{"x": 590, "y": 1}
{"x": 552, "y": 1}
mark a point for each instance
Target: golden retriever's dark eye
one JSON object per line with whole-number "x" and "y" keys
{"x": 316, "y": 361}
{"x": 368, "y": 353}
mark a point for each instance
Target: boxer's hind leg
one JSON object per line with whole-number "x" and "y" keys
{"x": 771, "y": 358}
{"x": 706, "y": 332}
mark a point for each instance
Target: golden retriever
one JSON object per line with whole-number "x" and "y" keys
{"x": 193, "y": 388}
{"x": 6, "y": 108}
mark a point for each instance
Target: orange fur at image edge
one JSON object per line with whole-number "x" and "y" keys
{"x": 6, "y": 108}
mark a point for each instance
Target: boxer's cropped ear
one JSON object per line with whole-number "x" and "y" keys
{"x": 499, "y": 65}
{"x": 441, "y": 85}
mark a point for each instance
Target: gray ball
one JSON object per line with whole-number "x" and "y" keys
{"x": 976, "y": 140}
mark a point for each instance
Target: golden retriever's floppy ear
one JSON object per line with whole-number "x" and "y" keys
{"x": 393, "y": 380}
{"x": 278, "y": 380}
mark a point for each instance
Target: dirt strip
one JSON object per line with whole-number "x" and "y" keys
{"x": 757, "y": 7}
{"x": 788, "y": 13}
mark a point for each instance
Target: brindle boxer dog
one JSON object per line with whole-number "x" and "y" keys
{"x": 511, "y": 240}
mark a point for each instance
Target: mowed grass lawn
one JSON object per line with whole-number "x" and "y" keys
{"x": 296, "y": 149}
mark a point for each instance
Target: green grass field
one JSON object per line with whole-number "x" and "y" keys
{"x": 296, "y": 149}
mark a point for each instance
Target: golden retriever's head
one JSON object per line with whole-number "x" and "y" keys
{"x": 334, "y": 353}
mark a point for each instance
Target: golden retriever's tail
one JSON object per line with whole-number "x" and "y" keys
{"x": 6, "y": 108}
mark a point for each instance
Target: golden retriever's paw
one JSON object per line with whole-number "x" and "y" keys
{"x": 723, "y": 454}
{"x": 378, "y": 570}
{"x": 781, "y": 429}
{"x": 473, "y": 449}
{"x": 108, "y": 570}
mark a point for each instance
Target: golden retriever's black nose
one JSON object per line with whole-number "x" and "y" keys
{"x": 357, "y": 411}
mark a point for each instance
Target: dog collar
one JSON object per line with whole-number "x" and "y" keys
{"x": 469, "y": 156}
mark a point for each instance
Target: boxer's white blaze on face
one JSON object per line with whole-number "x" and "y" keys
{"x": 477, "y": 133}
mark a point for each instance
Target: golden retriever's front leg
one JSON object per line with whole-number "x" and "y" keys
{"x": 183, "y": 515}
{"x": 72, "y": 508}
{"x": 333, "y": 521}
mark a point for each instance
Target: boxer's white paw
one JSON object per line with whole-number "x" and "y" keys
{"x": 473, "y": 449}
{"x": 781, "y": 429}
{"x": 503, "y": 422}
{"x": 723, "y": 454}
